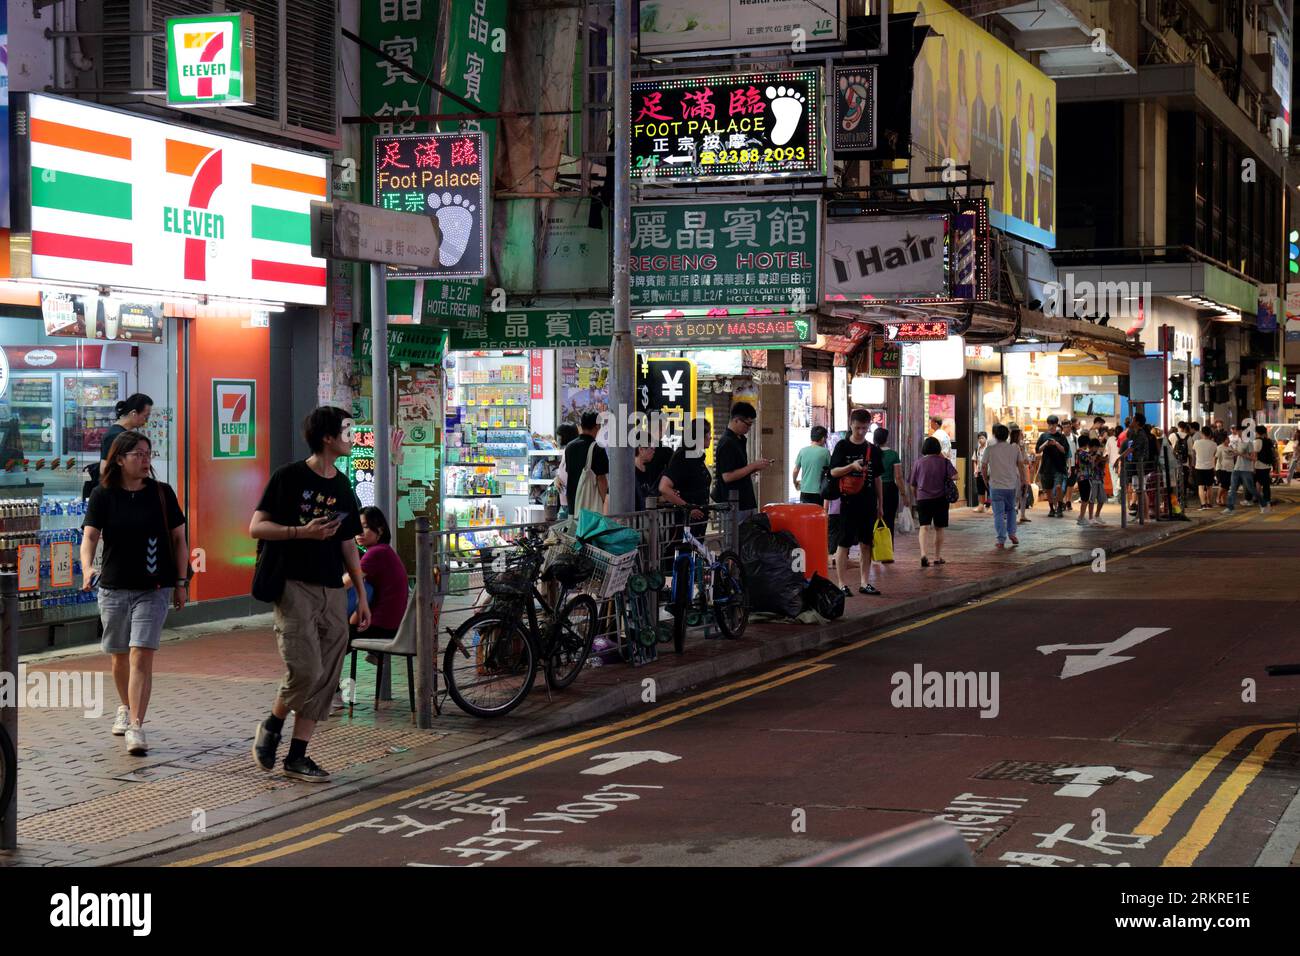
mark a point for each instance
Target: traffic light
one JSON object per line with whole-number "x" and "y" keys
{"x": 1293, "y": 251}
{"x": 1176, "y": 383}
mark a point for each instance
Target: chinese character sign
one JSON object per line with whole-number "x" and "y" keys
{"x": 536, "y": 329}
{"x": 759, "y": 252}
{"x": 441, "y": 175}
{"x": 741, "y": 125}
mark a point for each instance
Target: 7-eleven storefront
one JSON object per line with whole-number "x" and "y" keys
{"x": 146, "y": 258}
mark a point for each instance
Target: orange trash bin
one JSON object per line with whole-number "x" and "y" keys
{"x": 809, "y": 526}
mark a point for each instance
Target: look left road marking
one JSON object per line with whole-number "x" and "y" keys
{"x": 491, "y": 764}
{"x": 532, "y": 765}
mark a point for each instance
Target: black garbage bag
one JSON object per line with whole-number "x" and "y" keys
{"x": 824, "y": 597}
{"x": 768, "y": 557}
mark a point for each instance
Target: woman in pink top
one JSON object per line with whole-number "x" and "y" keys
{"x": 383, "y": 570}
{"x": 929, "y": 481}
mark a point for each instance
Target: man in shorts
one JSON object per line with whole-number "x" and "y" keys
{"x": 1053, "y": 470}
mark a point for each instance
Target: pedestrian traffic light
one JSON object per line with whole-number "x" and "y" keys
{"x": 1293, "y": 251}
{"x": 1176, "y": 383}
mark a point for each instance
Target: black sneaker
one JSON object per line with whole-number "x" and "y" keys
{"x": 265, "y": 744}
{"x": 304, "y": 768}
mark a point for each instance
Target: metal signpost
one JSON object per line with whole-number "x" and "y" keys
{"x": 9, "y": 715}
{"x": 381, "y": 237}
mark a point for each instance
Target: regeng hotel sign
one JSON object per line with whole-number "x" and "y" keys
{"x": 210, "y": 60}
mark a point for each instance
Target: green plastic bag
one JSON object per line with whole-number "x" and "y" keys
{"x": 600, "y": 532}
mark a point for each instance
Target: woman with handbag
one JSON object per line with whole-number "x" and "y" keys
{"x": 934, "y": 484}
{"x": 891, "y": 478}
{"x": 145, "y": 566}
{"x": 856, "y": 466}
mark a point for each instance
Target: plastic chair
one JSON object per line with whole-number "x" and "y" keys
{"x": 402, "y": 645}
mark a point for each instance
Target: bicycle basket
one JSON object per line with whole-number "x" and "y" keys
{"x": 515, "y": 580}
{"x": 570, "y": 568}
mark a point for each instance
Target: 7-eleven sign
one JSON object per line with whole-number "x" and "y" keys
{"x": 210, "y": 60}
{"x": 234, "y": 417}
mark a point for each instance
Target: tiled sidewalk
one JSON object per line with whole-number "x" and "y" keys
{"x": 82, "y": 799}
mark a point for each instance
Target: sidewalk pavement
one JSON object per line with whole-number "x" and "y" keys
{"x": 84, "y": 800}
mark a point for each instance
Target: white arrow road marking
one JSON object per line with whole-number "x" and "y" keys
{"x": 622, "y": 761}
{"x": 1087, "y": 780}
{"x": 1076, "y": 664}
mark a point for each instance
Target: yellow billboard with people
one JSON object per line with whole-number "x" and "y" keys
{"x": 976, "y": 101}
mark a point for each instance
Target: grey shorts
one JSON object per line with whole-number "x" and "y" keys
{"x": 132, "y": 618}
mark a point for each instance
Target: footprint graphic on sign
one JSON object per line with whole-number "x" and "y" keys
{"x": 787, "y": 107}
{"x": 365, "y": 489}
{"x": 456, "y": 219}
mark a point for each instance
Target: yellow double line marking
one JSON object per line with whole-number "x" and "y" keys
{"x": 1216, "y": 810}
{"x": 553, "y": 750}
{"x": 563, "y": 748}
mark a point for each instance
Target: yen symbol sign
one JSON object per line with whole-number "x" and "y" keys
{"x": 672, "y": 386}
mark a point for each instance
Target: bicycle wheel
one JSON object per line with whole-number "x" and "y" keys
{"x": 490, "y": 665}
{"x": 570, "y": 646}
{"x": 730, "y": 596}
{"x": 681, "y": 600}
{"x": 8, "y": 769}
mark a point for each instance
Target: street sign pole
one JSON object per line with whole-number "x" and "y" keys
{"x": 379, "y": 414}
{"x": 621, "y": 352}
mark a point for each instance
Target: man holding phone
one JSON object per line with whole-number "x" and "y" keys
{"x": 310, "y": 506}
{"x": 732, "y": 458}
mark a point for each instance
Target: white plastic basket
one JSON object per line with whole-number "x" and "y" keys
{"x": 611, "y": 570}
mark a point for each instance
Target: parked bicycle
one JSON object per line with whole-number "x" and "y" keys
{"x": 492, "y": 659}
{"x": 705, "y": 582}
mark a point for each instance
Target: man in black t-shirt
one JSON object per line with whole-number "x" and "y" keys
{"x": 731, "y": 458}
{"x": 309, "y": 511}
{"x": 1053, "y": 471}
{"x": 575, "y": 461}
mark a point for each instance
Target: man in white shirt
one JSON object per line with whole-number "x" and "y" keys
{"x": 945, "y": 443}
{"x": 1243, "y": 470}
{"x": 1204, "y": 450}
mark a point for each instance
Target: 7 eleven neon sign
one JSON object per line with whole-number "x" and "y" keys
{"x": 210, "y": 60}
{"x": 234, "y": 418}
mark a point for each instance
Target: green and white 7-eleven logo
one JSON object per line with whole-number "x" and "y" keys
{"x": 205, "y": 60}
{"x": 234, "y": 417}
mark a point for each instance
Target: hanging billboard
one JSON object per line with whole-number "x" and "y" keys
{"x": 727, "y": 126}
{"x": 706, "y": 254}
{"x": 115, "y": 199}
{"x": 976, "y": 101}
{"x": 441, "y": 175}
{"x": 887, "y": 258}
{"x": 678, "y": 26}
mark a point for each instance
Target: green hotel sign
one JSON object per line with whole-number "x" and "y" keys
{"x": 210, "y": 60}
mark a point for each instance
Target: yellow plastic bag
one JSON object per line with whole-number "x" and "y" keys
{"x": 882, "y": 543}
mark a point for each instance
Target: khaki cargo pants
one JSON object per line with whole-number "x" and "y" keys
{"x": 311, "y": 629}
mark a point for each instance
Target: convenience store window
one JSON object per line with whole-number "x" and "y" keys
{"x": 58, "y": 397}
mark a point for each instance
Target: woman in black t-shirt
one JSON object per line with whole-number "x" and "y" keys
{"x": 145, "y": 564}
{"x": 855, "y": 457}
{"x": 132, "y": 415}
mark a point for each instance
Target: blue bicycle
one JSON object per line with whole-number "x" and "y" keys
{"x": 706, "y": 583}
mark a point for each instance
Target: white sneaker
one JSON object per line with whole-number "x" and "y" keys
{"x": 1098, "y": 523}
{"x": 1227, "y": 511}
{"x": 136, "y": 745}
{"x": 122, "y": 721}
